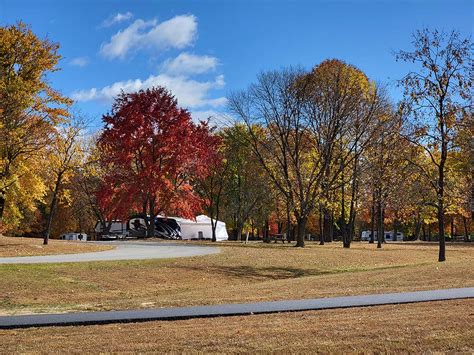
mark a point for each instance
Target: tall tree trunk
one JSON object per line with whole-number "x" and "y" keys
{"x": 442, "y": 240}
{"x": 423, "y": 229}
{"x": 466, "y": 231}
{"x": 2, "y": 203}
{"x": 372, "y": 223}
{"x": 429, "y": 232}
{"x": 151, "y": 224}
{"x": 452, "y": 228}
{"x": 266, "y": 236}
{"x": 213, "y": 227}
{"x": 326, "y": 225}
{"x": 352, "y": 211}
{"x": 301, "y": 231}
{"x": 417, "y": 226}
{"x": 331, "y": 226}
{"x": 442, "y": 162}
{"x": 52, "y": 209}
{"x": 395, "y": 230}
{"x": 321, "y": 226}
{"x": 383, "y": 225}
{"x": 343, "y": 227}
{"x": 379, "y": 224}
{"x": 240, "y": 228}
{"x": 288, "y": 221}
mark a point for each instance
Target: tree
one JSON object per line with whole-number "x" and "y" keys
{"x": 344, "y": 107}
{"x": 211, "y": 188}
{"x": 314, "y": 126}
{"x": 246, "y": 184}
{"x": 284, "y": 147}
{"x": 153, "y": 153}
{"x": 29, "y": 107}
{"x": 437, "y": 95}
{"x": 63, "y": 156}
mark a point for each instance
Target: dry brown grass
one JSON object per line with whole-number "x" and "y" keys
{"x": 10, "y": 246}
{"x": 415, "y": 328}
{"x": 240, "y": 273}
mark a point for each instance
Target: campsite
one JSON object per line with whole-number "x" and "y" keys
{"x": 236, "y": 176}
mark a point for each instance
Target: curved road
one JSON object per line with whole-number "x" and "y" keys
{"x": 123, "y": 251}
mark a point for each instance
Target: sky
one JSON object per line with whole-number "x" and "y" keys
{"x": 204, "y": 50}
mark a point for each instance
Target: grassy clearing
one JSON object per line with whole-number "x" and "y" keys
{"x": 34, "y": 246}
{"x": 240, "y": 273}
{"x": 417, "y": 328}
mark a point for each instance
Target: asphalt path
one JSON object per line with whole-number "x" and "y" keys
{"x": 88, "y": 318}
{"x": 126, "y": 250}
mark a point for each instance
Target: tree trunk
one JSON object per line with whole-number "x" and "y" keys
{"x": 321, "y": 226}
{"x": 466, "y": 231}
{"x": 52, "y": 209}
{"x": 326, "y": 225}
{"x": 417, "y": 227}
{"x": 383, "y": 225}
{"x": 301, "y": 232}
{"x": 429, "y": 232}
{"x": 442, "y": 241}
{"x": 266, "y": 237}
{"x": 395, "y": 231}
{"x": 2, "y": 203}
{"x": 372, "y": 223}
{"x": 239, "y": 232}
{"x": 331, "y": 227}
{"x": 452, "y": 228}
{"x": 379, "y": 224}
{"x": 423, "y": 230}
{"x": 213, "y": 227}
{"x": 151, "y": 224}
{"x": 440, "y": 195}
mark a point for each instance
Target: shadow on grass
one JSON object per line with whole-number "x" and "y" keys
{"x": 280, "y": 273}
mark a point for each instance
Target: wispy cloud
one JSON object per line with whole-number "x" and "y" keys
{"x": 189, "y": 92}
{"x": 186, "y": 64}
{"x": 79, "y": 61}
{"x": 117, "y": 18}
{"x": 178, "y": 32}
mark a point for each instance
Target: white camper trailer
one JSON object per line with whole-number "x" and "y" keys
{"x": 201, "y": 228}
{"x": 82, "y": 237}
{"x": 118, "y": 229}
{"x": 365, "y": 236}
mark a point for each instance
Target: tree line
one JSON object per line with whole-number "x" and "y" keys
{"x": 324, "y": 152}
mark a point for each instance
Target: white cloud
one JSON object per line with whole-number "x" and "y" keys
{"x": 215, "y": 118}
{"x": 185, "y": 64}
{"x": 189, "y": 92}
{"x": 112, "y": 20}
{"x": 79, "y": 61}
{"x": 178, "y": 32}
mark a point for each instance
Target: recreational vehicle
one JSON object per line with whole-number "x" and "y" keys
{"x": 365, "y": 236}
{"x": 82, "y": 237}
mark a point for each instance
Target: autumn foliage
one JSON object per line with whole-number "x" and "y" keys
{"x": 153, "y": 152}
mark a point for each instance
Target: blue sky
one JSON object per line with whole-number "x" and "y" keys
{"x": 202, "y": 50}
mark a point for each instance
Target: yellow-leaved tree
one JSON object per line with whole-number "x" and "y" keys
{"x": 29, "y": 111}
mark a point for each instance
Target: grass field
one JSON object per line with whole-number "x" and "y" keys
{"x": 415, "y": 328}
{"x": 240, "y": 273}
{"x": 10, "y": 246}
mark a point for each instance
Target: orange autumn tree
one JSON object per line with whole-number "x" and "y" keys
{"x": 153, "y": 153}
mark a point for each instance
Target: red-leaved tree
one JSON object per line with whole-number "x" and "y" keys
{"x": 153, "y": 152}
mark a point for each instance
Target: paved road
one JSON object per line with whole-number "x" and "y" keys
{"x": 123, "y": 251}
{"x": 87, "y": 318}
